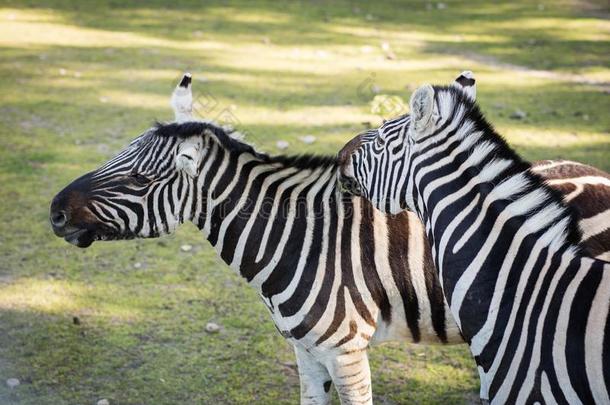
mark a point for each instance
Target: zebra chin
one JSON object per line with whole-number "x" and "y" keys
{"x": 84, "y": 237}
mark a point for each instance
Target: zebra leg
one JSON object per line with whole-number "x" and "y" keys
{"x": 352, "y": 377}
{"x": 315, "y": 379}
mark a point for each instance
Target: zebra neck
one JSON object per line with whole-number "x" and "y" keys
{"x": 260, "y": 214}
{"x": 490, "y": 223}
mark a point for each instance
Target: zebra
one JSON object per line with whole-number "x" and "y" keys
{"x": 335, "y": 274}
{"x": 533, "y": 307}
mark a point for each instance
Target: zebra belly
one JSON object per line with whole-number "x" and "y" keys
{"x": 398, "y": 330}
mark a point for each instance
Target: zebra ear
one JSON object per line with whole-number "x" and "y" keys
{"x": 188, "y": 156}
{"x": 182, "y": 99}
{"x": 422, "y": 106}
{"x": 467, "y": 83}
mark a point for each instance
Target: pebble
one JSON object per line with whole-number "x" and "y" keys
{"x": 104, "y": 99}
{"x": 137, "y": 265}
{"x": 186, "y": 248}
{"x": 518, "y": 115}
{"x": 103, "y": 402}
{"x": 12, "y": 382}
{"x": 282, "y": 145}
{"x": 211, "y": 327}
{"x": 387, "y": 50}
{"x": 308, "y": 139}
{"x": 63, "y": 71}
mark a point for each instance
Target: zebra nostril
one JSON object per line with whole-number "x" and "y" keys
{"x": 59, "y": 219}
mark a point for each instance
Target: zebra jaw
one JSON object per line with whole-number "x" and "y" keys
{"x": 83, "y": 237}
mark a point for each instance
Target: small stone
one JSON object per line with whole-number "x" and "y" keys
{"x": 281, "y": 145}
{"x": 518, "y": 115}
{"x": 211, "y": 327}
{"x": 12, "y": 382}
{"x": 77, "y": 74}
{"x": 103, "y": 401}
{"x": 186, "y": 248}
{"x": 387, "y": 50}
{"x": 103, "y": 99}
{"x": 308, "y": 139}
{"x": 62, "y": 72}
{"x": 137, "y": 265}
{"x": 441, "y": 6}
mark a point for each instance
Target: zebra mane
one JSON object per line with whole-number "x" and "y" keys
{"x": 504, "y": 152}
{"x": 193, "y": 128}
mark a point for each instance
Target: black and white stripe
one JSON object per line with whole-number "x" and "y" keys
{"x": 532, "y": 306}
{"x": 587, "y": 190}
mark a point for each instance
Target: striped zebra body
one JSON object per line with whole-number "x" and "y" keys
{"x": 533, "y": 308}
{"x": 336, "y": 274}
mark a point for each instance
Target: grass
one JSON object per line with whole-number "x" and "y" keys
{"x": 80, "y": 80}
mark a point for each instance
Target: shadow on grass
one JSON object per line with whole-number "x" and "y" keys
{"x": 532, "y": 34}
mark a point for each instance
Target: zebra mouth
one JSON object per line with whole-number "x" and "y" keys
{"x": 82, "y": 238}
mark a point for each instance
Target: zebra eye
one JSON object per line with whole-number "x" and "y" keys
{"x": 139, "y": 179}
{"x": 380, "y": 141}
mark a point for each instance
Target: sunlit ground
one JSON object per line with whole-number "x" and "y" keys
{"x": 125, "y": 321}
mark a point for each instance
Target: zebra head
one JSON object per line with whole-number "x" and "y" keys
{"x": 377, "y": 164}
{"x": 146, "y": 190}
